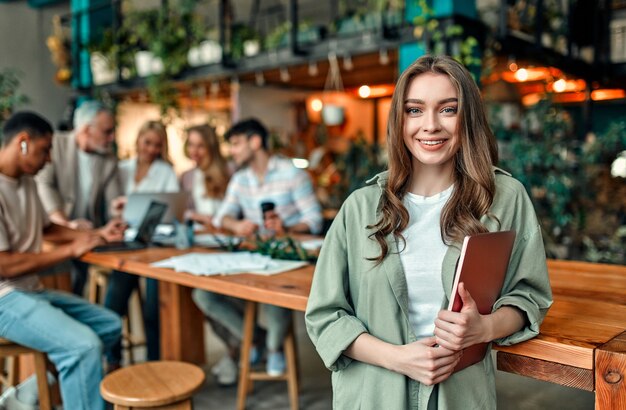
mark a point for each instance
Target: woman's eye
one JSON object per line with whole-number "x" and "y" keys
{"x": 450, "y": 110}
{"x": 413, "y": 110}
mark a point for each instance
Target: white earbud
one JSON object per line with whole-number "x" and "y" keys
{"x": 24, "y": 147}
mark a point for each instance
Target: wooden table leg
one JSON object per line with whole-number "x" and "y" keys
{"x": 182, "y": 331}
{"x": 244, "y": 372}
{"x": 610, "y": 364}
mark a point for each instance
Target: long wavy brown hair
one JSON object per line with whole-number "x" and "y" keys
{"x": 473, "y": 174}
{"x": 159, "y": 129}
{"x": 215, "y": 168}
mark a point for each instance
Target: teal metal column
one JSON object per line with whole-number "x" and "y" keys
{"x": 89, "y": 18}
{"x": 407, "y": 53}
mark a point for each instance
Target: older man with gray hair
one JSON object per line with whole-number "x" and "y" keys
{"x": 82, "y": 179}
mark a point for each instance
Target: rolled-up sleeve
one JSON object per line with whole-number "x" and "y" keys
{"x": 527, "y": 286}
{"x": 330, "y": 319}
{"x": 305, "y": 200}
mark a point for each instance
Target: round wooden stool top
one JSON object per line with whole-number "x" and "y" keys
{"x": 152, "y": 384}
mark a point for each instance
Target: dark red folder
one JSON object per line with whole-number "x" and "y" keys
{"x": 482, "y": 267}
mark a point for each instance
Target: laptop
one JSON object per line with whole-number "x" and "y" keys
{"x": 137, "y": 204}
{"x": 151, "y": 219}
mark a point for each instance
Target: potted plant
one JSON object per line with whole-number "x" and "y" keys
{"x": 10, "y": 97}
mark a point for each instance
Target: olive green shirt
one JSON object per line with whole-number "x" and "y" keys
{"x": 351, "y": 295}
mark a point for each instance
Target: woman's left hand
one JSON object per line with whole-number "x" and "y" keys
{"x": 459, "y": 330}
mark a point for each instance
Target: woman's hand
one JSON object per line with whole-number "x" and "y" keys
{"x": 117, "y": 205}
{"x": 459, "y": 330}
{"x": 426, "y": 362}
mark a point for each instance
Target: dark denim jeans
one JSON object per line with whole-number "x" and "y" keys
{"x": 121, "y": 286}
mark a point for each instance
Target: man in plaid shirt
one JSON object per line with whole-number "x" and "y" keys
{"x": 261, "y": 177}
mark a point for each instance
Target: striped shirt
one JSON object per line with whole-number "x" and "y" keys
{"x": 288, "y": 187}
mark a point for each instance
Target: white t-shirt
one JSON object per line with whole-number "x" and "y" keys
{"x": 22, "y": 221}
{"x": 204, "y": 205}
{"x": 422, "y": 258}
{"x": 84, "y": 183}
{"x": 160, "y": 177}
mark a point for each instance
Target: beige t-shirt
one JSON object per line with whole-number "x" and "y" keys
{"x": 22, "y": 221}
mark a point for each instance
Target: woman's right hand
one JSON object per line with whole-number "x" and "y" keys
{"x": 426, "y": 362}
{"x": 85, "y": 243}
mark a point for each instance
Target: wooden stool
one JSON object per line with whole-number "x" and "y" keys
{"x": 9, "y": 350}
{"x": 247, "y": 377}
{"x": 155, "y": 385}
{"x": 98, "y": 284}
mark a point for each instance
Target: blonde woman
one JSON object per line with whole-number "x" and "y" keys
{"x": 149, "y": 171}
{"x": 387, "y": 264}
{"x": 207, "y": 181}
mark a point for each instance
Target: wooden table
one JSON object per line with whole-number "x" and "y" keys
{"x": 181, "y": 321}
{"x": 582, "y": 342}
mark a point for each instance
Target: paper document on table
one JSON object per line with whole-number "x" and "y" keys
{"x": 226, "y": 263}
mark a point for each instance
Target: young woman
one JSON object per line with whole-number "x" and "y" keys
{"x": 207, "y": 181}
{"x": 387, "y": 264}
{"x": 149, "y": 171}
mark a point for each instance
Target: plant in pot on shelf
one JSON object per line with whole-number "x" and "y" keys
{"x": 245, "y": 41}
{"x": 279, "y": 37}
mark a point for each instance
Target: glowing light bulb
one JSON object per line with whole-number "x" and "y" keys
{"x": 316, "y": 105}
{"x": 559, "y": 85}
{"x": 364, "y": 91}
{"x": 521, "y": 74}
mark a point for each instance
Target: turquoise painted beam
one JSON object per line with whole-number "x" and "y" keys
{"x": 407, "y": 53}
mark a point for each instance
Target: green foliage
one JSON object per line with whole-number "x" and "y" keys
{"x": 561, "y": 174}
{"x": 10, "y": 97}
{"x": 282, "y": 248}
{"x": 435, "y": 36}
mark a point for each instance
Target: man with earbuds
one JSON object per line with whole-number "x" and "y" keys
{"x": 82, "y": 179}
{"x": 72, "y": 332}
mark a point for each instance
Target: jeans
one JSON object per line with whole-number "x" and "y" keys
{"x": 121, "y": 286}
{"x": 228, "y": 312}
{"x": 71, "y": 331}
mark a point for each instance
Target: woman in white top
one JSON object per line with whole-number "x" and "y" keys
{"x": 150, "y": 171}
{"x": 207, "y": 181}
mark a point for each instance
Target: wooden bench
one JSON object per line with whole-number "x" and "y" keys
{"x": 582, "y": 343}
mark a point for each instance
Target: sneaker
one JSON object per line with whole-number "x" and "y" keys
{"x": 225, "y": 371}
{"x": 9, "y": 401}
{"x": 275, "y": 363}
{"x": 215, "y": 370}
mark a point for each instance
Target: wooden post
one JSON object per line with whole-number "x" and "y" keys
{"x": 611, "y": 374}
{"x": 182, "y": 332}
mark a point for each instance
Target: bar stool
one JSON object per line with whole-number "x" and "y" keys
{"x": 98, "y": 284}
{"x": 11, "y": 350}
{"x": 247, "y": 377}
{"x": 165, "y": 385}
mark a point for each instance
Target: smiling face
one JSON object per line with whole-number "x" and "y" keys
{"x": 431, "y": 122}
{"x": 197, "y": 149}
{"x": 149, "y": 146}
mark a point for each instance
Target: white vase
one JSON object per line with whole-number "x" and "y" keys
{"x": 332, "y": 114}
{"x": 251, "y": 48}
{"x": 147, "y": 64}
{"x": 210, "y": 52}
{"x": 101, "y": 71}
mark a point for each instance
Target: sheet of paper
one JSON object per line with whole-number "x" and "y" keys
{"x": 227, "y": 263}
